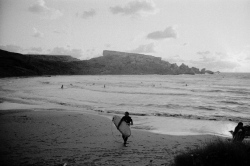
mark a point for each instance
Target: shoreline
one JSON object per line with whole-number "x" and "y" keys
{"x": 154, "y": 124}
{"x": 79, "y": 138}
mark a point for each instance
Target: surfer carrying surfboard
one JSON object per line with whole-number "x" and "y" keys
{"x": 129, "y": 122}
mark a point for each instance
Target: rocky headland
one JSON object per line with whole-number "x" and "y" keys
{"x": 112, "y": 62}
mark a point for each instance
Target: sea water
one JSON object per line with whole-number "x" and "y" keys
{"x": 167, "y": 104}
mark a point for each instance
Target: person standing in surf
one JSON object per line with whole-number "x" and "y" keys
{"x": 129, "y": 122}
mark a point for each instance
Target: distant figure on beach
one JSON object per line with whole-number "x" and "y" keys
{"x": 129, "y": 121}
{"x": 239, "y": 133}
{"x": 62, "y": 87}
{"x": 104, "y": 86}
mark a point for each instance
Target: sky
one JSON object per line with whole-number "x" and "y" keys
{"x": 211, "y": 34}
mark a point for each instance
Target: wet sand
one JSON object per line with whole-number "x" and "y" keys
{"x": 55, "y": 137}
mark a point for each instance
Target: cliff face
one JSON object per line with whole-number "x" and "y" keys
{"x": 107, "y": 53}
{"x": 112, "y": 62}
{"x": 128, "y": 63}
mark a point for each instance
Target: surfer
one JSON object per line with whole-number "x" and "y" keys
{"x": 129, "y": 121}
{"x": 239, "y": 133}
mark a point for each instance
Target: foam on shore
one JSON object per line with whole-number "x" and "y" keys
{"x": 156, "y": 124}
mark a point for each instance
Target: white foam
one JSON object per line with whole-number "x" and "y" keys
{"x": 178, "y": 126}
{"x": 10, "y": 106}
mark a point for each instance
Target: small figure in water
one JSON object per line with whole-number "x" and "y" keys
{"x": 104, "y": 86}
{"x": 239, "y": 133}
{"x": 62, "y": 87}
{"x": 129, "y": 121}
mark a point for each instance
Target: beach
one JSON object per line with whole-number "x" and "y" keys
{"x": 57, "y": 137}
{"x": 43, "y": 124}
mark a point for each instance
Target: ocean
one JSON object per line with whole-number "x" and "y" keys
{"x": 166, "y": 104}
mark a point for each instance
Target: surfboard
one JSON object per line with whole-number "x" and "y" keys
{"x": 123, "y": 128}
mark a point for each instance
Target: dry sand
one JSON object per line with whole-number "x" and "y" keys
{"x": 72, "y": 138}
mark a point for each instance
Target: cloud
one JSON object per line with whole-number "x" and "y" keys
{"x": 216, "y": 65}
{"x": 204, "y": 52}
{"x": 138, "y": 8}
{"x": 57, "y": 31}
{"x": 217, "y": 61}
{"x": 36, "y": 49}
{"x": 245, "y": 54}
{"x": 37, "y": 33}
{"x": 147, "y": 48}
{"x": 90, "y": 50}
{"x": 108, "y": 45}
{"x": 87, "y": 14}
{"x": 174, "y": 59}
{"x": 18, "y": 49}
{"x": 62, "y": 51}
{"x": 169, "y": 32}
{"x": 12, "y": 48}
{"x": 40, "y": 8}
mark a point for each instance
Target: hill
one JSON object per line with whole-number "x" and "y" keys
{"x": 14, "y": 64}
{"x": 112, "y": 62}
